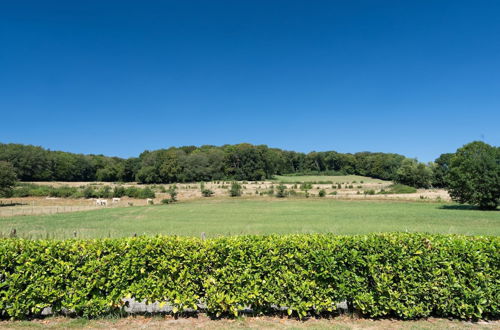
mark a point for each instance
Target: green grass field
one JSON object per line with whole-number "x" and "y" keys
{"x": 249, "y": 216}
{"x": 326, "y": 178}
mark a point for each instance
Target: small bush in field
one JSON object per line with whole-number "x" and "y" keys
{"x": 322, "y": 193}
{"x": 281, "y": 191}
{"x": 172, "y": 191}
{"x": 235, "y": 190}
{"x": 207, "y": 193}
{"x": 165, "y": 201}
{"x": 333, "y": 193}
{"x": 306, "y": 186}
{"x": 369, "y": 192}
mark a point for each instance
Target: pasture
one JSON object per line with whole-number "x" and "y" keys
{"x": 326, "y": 178}
{"x": 240, "y": 216}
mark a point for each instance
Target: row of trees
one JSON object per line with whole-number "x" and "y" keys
{"x": 38, "y": 164}
{"x": 188, "y": 164}
{"x": 471, "y": 175}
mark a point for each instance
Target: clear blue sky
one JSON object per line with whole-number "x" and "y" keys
{"x": 117, "y": 77}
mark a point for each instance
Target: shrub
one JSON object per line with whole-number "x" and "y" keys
{"x": 166, "y": 201}
{"x": 369, "y": 192}
{"x": 322, "y": 193}
{"x": 384, "y": 275}
{"x": 89, "y": 192}
{"x": 118, "y": 191}
{"x": 235, "y": 190}
{"x": 333, "y": 193}
{"x": 207, "y": 193}
{"x": 172, "y": 191}
{"x": 306, "y": 186}
{"x": 134, "y": 192}
{"x": 281, "y": 191}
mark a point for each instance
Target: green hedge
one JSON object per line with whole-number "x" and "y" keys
{"x": 398, "y": 275}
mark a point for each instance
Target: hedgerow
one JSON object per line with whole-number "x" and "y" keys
{"x": 382, "y": 275}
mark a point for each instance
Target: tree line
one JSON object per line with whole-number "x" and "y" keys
{"x": 471, "y": 174}
{"x": 189, "y": 164}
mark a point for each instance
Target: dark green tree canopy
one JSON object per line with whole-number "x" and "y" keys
{"x": 474, "y": 175}
{"x": 8, "y": 178}
{"x": 190, "y": 164}
{"x": 414, "y": 174}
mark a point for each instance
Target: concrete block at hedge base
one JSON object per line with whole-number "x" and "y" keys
{"x": 136, "y": 307}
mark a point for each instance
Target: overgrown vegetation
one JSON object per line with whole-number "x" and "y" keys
{"x": 406, "y": 276}
{"x": 90, "y": 191}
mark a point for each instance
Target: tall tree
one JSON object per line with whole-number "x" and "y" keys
{"x": 474, "y": 175}
{"x": 8, "y": 179}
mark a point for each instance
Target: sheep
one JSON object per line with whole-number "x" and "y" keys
{"x": 101, "y": 202}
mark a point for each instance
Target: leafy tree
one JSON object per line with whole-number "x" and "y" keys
{"x": 8, "y": 178}
{"x": 440, "y": 169}
{"x": 413, "y": 173}
{"x": 474, "y": 175}
{"x": 147, "y": 174}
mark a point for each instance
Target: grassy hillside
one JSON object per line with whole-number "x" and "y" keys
{"x": 247, "y": 216}
{"x": 326, "y": 179}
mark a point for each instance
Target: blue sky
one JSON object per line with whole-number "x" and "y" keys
{"x": 418, "y": 78}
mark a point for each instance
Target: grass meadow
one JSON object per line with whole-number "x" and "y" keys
{"x": 326, "y": 178}
{"x": 241, "y": 216}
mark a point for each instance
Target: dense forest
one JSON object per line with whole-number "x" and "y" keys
{"x": 238, "y": 162}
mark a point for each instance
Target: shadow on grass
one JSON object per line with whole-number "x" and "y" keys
{"x": 464, "y": 207}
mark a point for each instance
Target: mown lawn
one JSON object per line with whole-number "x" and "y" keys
{"x": 263, "y": 322}
{"x": 250, "y": 216}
